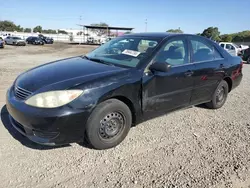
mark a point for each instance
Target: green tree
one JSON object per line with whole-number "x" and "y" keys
{"x": 38, "y": 29}
{"x": 27, "y": 30}
{"x": 8, "y": 26}
{"x": 62, "y": 32}
{"x": 174, "y": 31}
{"x": 100, "y": 31}
{"x": 212, "y": 33}
{"x": 49, "y": 31}
{"x": 226, "y": 38}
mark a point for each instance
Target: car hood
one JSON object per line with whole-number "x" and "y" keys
{"x": 68, "y": 72}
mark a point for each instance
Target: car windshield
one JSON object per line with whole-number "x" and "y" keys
{"x": 236, "y": 45}
{"x": 124, "y": 51}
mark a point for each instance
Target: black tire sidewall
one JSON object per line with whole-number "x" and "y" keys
{"x": 93, "y": 124}
{"x": 248, "y": 60}
{"x": 215, "y": 105}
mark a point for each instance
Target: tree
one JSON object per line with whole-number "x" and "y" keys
{"x": 8, "y": 26}
{"x": 27, "y": 30}
{"x": 100, "y": 32}
{"x": 174, "y": 31}
{"x": 62, "y": 32}
{"x": 212, "y": 33}
{"x": 38, "y": 29}
{"x": 226, "y": 38}
{"x": 49, "y": 31}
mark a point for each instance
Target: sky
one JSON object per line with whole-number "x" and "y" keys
{"x": 192, "y": 16}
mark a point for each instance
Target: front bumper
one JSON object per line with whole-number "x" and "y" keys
{"x": 56, "y": 126}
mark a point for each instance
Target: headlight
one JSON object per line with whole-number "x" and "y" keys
{"x": 53, "y": 99}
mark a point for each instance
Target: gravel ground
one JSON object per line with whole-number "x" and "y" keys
{"x": 195, "y": 147}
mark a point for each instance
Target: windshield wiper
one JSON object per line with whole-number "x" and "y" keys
{"x": 98, "y": 60}
{"x": 85, "y": 57}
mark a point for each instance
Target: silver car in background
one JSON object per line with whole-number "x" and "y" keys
{"x": 15, "y": 41}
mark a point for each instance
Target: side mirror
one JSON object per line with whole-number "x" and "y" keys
{"x": 161, "y": 67}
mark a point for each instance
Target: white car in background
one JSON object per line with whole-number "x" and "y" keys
{"x": 15, "y": 41}
{"x": 233, "y": 48}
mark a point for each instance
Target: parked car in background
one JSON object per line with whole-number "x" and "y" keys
{"x": 15, "y": 41}
{"x": 245, "y": 55}
{"x": 46, "y": 40}
{"x": 1, "y": 43}
{"x": 232, "y": 48}
{"x": 34, "y": 40}
{"x": 243, "y": 47}
{"x": 99, "y": 96}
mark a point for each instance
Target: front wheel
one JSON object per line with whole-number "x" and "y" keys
{"x": 219, "y": 97}
{"x": 108, "y": 124}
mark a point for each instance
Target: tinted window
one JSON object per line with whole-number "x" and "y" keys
{"x": 229, "y": 47}
{"x": 203, "y": 51}
{"x": 222, "y": 45}
{"x": 174, "y": 52}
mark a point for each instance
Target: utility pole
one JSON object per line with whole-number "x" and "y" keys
{"x": 146, "y": 25}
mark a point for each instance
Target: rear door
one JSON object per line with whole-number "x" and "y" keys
{"x": 164, "y": 91}
{"x": 209, "y": 68}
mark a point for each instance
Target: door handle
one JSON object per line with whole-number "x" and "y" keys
{"x": 189, "y": 73}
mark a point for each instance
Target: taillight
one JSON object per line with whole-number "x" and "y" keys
{"x": 241, "y": 64}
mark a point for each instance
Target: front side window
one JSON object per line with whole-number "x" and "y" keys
{"x": 174, "y": 52}
{"x": 203, "y": 51}
{"x": 124, "y": 51}
{"x": 222, "y": 45}
{"x": 229, "y": 47}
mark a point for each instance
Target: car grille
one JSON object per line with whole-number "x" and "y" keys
{"x": 22, "y": 93}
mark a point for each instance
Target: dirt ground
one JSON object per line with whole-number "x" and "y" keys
{"x": 195, "y": 147}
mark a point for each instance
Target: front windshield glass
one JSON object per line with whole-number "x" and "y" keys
{"x": 125, "y": 51}
{"x": 236, "y": 45}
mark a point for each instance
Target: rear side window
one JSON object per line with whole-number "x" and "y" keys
{"x": 203, "y": 51}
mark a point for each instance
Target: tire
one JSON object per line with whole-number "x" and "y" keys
{"x": 248, "y": 60}
{"x": 219, "y": 97}
{"x": 108, "y": 124}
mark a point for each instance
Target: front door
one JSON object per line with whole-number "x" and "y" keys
{"x": 164, "y": 91}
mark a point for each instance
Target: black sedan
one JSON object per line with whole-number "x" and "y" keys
{"x": 46, "y": 40}
{"x": 34, "y": 40}
{"x": 99, "y": 96}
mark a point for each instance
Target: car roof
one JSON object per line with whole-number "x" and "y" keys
{"x": 153, "y": 34}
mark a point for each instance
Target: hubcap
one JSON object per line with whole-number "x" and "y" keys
{"x": 220, "y": 95}
{"x": 111, "y": 125}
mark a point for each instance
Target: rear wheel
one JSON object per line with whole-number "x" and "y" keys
{"x": 248, "y": 60}
{"x": 108, "y": 124}
{"x": 220, "y": 96}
